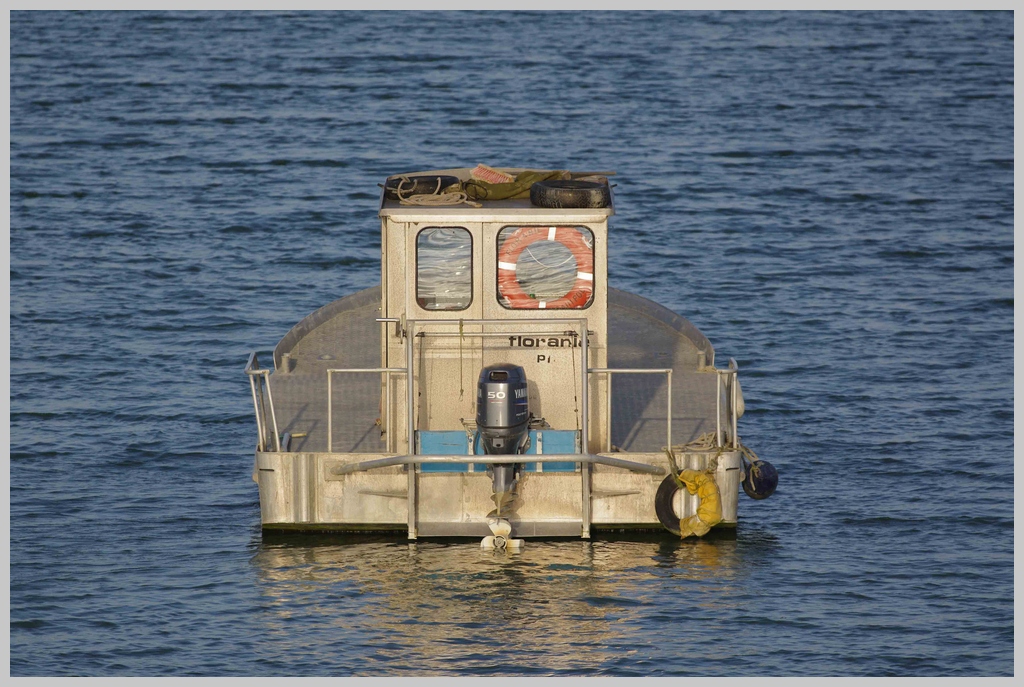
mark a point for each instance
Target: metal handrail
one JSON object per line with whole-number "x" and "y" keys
{"x": 419, "y": 459}
{"x": 518, "y": 320}
{"x": 580, "y": 322}
{"x": 387, "y": 386}
{"x": 252, "y": 368}
{"x": 637, "y": 371}
{"x": 734, "y": 372}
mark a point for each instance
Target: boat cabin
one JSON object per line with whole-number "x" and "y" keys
{"x": 506, "y": 282}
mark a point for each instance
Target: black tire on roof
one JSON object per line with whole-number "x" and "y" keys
{"x": 570, "y": 193}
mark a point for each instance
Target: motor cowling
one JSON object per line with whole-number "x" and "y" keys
{"x": 502, "y": 409}
{"x": 503, "y": 421}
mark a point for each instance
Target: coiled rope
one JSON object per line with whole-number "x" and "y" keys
{"x": 705, "y": 442}
{"x": 432, "y": 199}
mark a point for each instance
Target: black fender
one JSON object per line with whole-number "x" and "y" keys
{"x": 663, "y": 504}
{"x": 761, "y": 479}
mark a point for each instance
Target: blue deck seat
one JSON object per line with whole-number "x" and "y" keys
{"x": 449, "y": 442}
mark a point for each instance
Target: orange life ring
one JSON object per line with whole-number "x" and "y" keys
{"x": 508, "y": 258}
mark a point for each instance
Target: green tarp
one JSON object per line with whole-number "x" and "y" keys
{"x": 520, "y": 188}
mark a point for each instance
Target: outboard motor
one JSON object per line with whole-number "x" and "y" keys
{"x": 503, "y": 420}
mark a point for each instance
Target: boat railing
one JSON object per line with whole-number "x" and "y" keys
{"x": 727, "y": 379}
{"x": 610, "y": 371}
{"x": 263, "y": 403}
{"x": 452, "y": 459}
{"x": 579, "y": 322}
{"x": 410, "y": 333}
{"x": 266, "y": 417}
{"x": 387, "y": 372}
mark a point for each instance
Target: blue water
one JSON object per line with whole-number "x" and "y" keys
{"x": 829, "y": 197}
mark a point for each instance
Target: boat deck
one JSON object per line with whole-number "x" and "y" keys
{"x": 344, "y": 334}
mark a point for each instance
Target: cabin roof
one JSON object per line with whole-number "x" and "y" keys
{"x": 521, "y": 209}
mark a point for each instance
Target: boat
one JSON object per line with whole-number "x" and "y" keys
{"x": 494, "y": 386}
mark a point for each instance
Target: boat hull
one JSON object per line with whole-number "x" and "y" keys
{"x": 300, "y": 491}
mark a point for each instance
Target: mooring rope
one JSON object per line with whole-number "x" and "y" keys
{"x": 704, "y": 442}
{"x": 432, "y": 199}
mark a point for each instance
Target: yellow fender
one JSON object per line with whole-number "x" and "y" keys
{"x": 709, "y": 512}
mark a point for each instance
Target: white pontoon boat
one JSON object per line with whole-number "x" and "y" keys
{"x": 494, "y": 386}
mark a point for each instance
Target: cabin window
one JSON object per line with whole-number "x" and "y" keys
{"x": 444, "y": 268}
{"x": 545, "y": 267}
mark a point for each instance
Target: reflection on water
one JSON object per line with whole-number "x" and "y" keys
{"x": 558, "y": 606}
